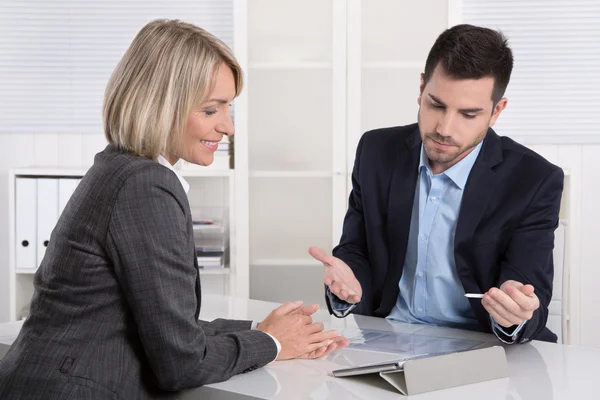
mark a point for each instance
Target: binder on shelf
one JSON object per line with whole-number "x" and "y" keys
{"x": 47, "y": 213}
{"x": 66, "y": 187}
{"x": 211, "y": 245}
{"x": 208, "y": 227}
{"x": 210, "y": 237}
{"x": 25, "y": 223}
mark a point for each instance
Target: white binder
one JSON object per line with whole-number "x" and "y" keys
{"x": 25, "y": 223}
{"x": 47, "y": 213}
{"x": 66, "y": 187}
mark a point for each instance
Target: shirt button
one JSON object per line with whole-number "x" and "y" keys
{"x": 419, "y": 309}
{"x": 423, "y": 236}
{"x": 420, "y": 273}
{"x": 434, "y": 199}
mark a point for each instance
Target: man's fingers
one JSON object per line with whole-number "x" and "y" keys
{"x": 513, "y": 288}
{"x": 527, "y": 290}
{"x": 501, "y": 312}
{"x": 336, "y": 288}
{"x": 353, "y": 298}
{"x": 525, "y": 302}
{"x": 344, "y": 293}
{"x": 497, "y": 317}
{"x": 504, "y": 300}
{"x": 320, "y": 255}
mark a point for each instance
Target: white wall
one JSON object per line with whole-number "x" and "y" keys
{"x": 583, "y": 246}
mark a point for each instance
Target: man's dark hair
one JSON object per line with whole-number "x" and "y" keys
{"x": 472, "y": 52}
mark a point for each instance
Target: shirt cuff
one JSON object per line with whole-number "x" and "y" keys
{"x": 502, "y": 335}
{"x": 339, "y": 307}
{"x": 255, "y": 325}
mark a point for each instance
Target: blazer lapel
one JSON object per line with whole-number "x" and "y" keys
{"x": 400, "y": 204}
{"x": 480, "y": 188}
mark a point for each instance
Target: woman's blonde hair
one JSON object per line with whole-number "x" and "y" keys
{"x": 168, "y": 71}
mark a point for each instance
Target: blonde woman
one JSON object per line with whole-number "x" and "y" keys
{"x": 117, "y": 296}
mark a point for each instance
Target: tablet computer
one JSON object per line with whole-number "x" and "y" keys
{"x": 369, "y": 369}
{"x": 388, "y": 366}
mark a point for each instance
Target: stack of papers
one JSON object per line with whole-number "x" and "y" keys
{"x": 408, "y": 345}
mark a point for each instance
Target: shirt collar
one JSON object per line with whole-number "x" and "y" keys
{"x": 163, "y": 161}
{"x": 459, "y": 172}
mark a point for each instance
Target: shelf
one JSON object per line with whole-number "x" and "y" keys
{"x": 215, "y": 271}
{"x": 293, "y": 174}
{"x": 394, "y": 65}
{"x": 79, "y": 172}
{"x": 51, "y": 171}
{"x": 292, "y": 65}
{"x": 285, "y": 262}
{"x": 25, "y": 271}
{"x": 203, "y": 271}
{"x": 205, "y": 172}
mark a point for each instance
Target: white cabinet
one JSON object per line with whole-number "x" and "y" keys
{"x": 388, "y": 44}
{"x": 296, "y": 130}
{"x": 37, "y": 196}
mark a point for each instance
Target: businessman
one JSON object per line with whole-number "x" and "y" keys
{"x": 446, "y": 207}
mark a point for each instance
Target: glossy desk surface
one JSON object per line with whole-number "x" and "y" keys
{"x": 538, "y": 370}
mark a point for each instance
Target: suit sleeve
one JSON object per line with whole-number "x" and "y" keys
{"x": 352, "y": 248}
{"x": 147, "y": 240}
{"x": 528, "y": 258}
{"x": 222, "y": 326}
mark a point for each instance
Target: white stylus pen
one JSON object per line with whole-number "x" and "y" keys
{"x": 474, "y": 295}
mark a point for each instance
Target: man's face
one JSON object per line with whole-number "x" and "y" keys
{"x": 454, "y": 116}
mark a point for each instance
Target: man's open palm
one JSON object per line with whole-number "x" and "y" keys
{"x": 338, "y": 276}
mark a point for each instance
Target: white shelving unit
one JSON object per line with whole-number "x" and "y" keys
{"x": 387, "y": 49}
{"x": 297, "y": 130}
{"x": 209, "y": 188}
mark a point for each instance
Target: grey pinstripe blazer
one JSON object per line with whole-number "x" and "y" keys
{"x": 117, "y": 298}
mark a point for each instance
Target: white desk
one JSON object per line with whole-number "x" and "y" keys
{"x": 538, "y": 370}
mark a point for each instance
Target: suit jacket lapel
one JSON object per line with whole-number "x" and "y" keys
{"x": 479, "y": 189}
{"x": 401, "y": 196}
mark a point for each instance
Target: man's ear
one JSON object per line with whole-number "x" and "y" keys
{"x": 421, "y": 88}
{"x": 500, "y": 106}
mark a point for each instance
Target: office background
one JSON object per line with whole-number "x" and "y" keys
{"x": 319, "y": 73}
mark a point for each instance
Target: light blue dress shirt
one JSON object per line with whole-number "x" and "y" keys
{"x": 430, "y": 289}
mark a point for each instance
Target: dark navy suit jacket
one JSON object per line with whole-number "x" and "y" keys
{"x": 505, "y": 229}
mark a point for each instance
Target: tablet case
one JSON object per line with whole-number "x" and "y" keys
{"x": 423, "y": 375}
